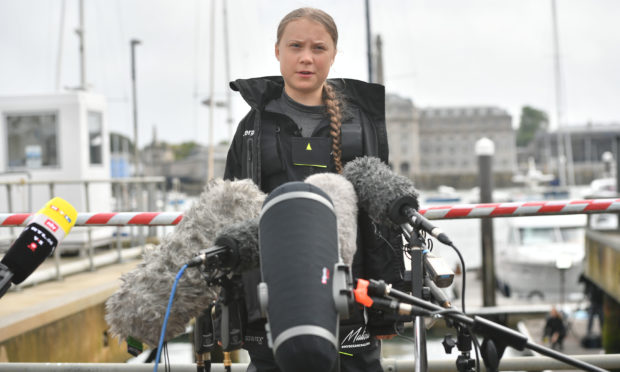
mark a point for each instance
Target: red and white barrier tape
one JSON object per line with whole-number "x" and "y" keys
{"x": 457, "y": 211}
{"x": 105, "y": 219}
{"x": 515, "y": 209}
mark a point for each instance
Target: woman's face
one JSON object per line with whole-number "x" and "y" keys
{"x": 306, "y": 52}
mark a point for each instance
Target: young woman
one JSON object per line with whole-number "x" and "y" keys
{"x": 341, "y": 119}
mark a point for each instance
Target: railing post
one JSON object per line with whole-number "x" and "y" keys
{"x": 119, "y": 247}
{"x": 151, "y": 205}
{"x": 140, "y": 193}
{"x": 57, "y": 250}
{"x": 91, "y": 250}
{"x": 9, "y": 195}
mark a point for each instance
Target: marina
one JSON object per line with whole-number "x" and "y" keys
{"x": 519, "y": 167}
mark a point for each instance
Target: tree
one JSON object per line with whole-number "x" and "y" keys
{"x": 183, "y": 150}
{"x": 532, "y": 120}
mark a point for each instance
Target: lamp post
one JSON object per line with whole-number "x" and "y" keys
{"x": 133, "y": 44}
{"x": 485, "y": 149}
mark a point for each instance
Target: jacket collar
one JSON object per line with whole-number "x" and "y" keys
{"x": 257, "y": 92}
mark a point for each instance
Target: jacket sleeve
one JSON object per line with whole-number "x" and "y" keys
{"x": 234, "y": 160}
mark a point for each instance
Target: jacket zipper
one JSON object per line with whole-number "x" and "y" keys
{"x": 279, "y": 147}
{"x": 250, "y": 143}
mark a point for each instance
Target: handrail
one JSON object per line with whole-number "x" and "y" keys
{"x": 607, "y": 361}
{"x": 151, "y": 179}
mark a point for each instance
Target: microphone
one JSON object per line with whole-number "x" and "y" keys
{"x": 342, "y": 195}
{"x": 387, "y": 197}
{"x": 138, "y": 307}
{"x": 47, "y": 228}
{"x": 298, "y": 252}
{"x": 236, "y": 249}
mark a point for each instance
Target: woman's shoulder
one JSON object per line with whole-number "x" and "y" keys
{"x": 260, "y": 90}
{"x": 369, "y": 97}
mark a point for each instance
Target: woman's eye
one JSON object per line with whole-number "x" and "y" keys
{"x": 320, "y": 47}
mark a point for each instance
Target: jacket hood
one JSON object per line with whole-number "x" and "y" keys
{"x": 257, "y": 92}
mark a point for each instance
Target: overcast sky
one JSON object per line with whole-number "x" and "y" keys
{"x": 436, "y": 52}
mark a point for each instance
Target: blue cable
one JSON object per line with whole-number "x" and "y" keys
{"x": 163, "y": 328}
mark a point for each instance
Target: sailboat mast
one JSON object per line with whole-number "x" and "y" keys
{"x": 565, "y": 151}
{"x": 61, "y": 39}
{"x": 81, "y": 32}
{"x": 229, "y": 119}
{"x": 369, "y": 42}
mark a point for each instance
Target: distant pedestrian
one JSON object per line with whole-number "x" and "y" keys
{"x": 555, "y": 330}
{"x": 595, "y": 297}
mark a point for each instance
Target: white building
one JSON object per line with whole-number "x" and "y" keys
{"x": 52, "y": 140}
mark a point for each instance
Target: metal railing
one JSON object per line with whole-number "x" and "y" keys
{"x": 533, "y": 363}
{"x": 126, "y": 199}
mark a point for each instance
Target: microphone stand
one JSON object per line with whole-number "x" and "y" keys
{"x": 415, "y": 249}
{"x": 477, "y": 324}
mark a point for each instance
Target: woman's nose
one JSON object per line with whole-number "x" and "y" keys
{"x": 306, "y": 56}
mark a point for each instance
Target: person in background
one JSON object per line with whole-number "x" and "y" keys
{"x": 555, "y": 330}
{"x": 595, "y": 296}
{"x": 299, "y": 124}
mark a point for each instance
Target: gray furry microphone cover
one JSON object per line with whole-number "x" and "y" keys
{"x": 138, "y": 307}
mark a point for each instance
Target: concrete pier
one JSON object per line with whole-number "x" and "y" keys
{"x": 62, "y": 321}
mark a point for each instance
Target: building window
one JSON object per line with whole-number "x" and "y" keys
{"x": 404, "y": 167}
{"x": 32, "y": 140}
{"x": 95, "y": 138}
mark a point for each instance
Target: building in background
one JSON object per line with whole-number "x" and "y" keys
{"x": 589, "y": 142}
{"x": 402, "y": 121}
{"x": 447, "y": 137}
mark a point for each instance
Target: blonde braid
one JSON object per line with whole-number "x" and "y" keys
{"x": 334, "y": 110}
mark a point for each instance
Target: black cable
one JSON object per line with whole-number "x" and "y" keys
{"x": 402, "y": 335}
{"x": 476, "y": 347}
{"x": 462, "y": 273}
{"x": 166, "y": 358}
{"x": 429, "y": 244}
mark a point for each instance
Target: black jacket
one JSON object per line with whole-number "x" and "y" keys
{"x": 260, "y": 150}
{"x": 246, "y": 152}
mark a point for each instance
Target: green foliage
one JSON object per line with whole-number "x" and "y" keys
{"x": 183, "y": 150}
{"x": 532, "y": 120}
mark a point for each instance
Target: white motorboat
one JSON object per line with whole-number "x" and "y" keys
{"x": 544, "y": 256}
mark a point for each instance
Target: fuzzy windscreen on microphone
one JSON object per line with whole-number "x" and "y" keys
{"x": 242, "y": 238}
{"x": 378, "y": 187}
{"x": 343, "y": 196}
{"x": 138, "y": 308}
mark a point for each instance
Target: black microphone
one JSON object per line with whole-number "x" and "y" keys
{"x": 44, "y": 232}
{"x": 299, "y": 250}
{"x": 235, "y": 249}
{"x": 387, "y": 197}
{"x": 138, "y": 307}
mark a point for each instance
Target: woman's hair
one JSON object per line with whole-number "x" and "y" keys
{"x": 316, "y": 15}
{"x": 334, "y": 110}
{"x": 332, "y": 100}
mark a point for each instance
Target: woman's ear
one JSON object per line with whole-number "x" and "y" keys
{"x": 277, "y": 51}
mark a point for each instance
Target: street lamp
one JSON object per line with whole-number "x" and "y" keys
{"x": 133, "y": 44}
